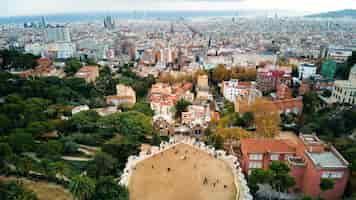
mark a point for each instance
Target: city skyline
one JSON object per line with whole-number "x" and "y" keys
{"x": 38, "y": 7}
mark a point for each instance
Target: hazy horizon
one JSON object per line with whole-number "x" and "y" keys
{"x": 44, "y": 7}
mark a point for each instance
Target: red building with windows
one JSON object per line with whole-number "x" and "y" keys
{"x": 269, "y": 77}
{"x": 309, "y": 159}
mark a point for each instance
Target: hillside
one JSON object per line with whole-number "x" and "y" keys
{"x": 335, "y": 14}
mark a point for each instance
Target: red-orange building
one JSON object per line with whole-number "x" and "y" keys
{"x": 309, "y": 158}
{"x": 88, "y": 73}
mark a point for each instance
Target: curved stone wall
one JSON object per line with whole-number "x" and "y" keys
{"x": 243, "y": 192}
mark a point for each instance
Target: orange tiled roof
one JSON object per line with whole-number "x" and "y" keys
{"x": 265, "y": 145}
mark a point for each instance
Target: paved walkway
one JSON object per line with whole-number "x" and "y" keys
{"x": 71, "y": 158}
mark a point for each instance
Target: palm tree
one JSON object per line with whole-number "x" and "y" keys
{"x": 82, "y": 187}
{"x": 61, "y": 169}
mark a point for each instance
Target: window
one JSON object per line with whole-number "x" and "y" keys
{"x": 287, "y": 156}
{"x": 275, "y": 157}
{"x": 255, "y": 165}
{"x": 255, "y": 156}
{"x": 333, "y": 175}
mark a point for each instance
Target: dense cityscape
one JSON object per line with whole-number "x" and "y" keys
{"x": 186, "y": 107}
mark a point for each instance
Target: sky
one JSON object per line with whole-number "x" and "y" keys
{"x": 38, "y": 7}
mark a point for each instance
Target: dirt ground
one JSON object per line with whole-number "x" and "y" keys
{"x": 43, "y": 190}
{"x": 182, "y": 173}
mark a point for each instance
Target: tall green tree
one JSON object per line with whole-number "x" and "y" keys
{"x": 103, "y": 165}
{"x": 121, "y": 148}
{"x": 281, "y": 180}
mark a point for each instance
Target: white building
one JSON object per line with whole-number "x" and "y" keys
{"x": 65, "y": 50}
{"x": 57, "y": 50}
{"x": 57, "y": 34}
{"x": 233, "y": 89}
{"x": 35, "y": 48}
{"x": 306, "y": 70}
{"x": 230, "y": 89}
{"x": 197, "y": 115}
{"x": 344, "y": 91}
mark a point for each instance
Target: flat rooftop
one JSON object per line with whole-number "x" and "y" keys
{"x": 327, "y": 160}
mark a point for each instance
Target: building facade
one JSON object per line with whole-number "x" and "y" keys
{"x": 57, "y": 34}
{"x": 306, "y": 70}
{"x": 233, "y": 88}
{"x": 125, "y": 95}
{"x": 197, "y": 118}
{"x": 328, "y": 69}
{"x": 88, "y": 73}
{"x": 309, "y": 159}
{"x": 344, "y": 91}
{"x": 269, "y": 77}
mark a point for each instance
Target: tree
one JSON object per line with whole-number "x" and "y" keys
{"x": 23, "y": 165}
{"x": 231, "y": 135}
{"x": 105, "y": 83}
{"x": 216, "y": 141}
{"x": 107, "y": 189}
{"x": 143, "y": 107}
{"x": 5, "y": 155}
{"x": 281, "y": 180}
{"x": 307, "y": 198}
{"x": 311, "y": 102}
{"x": 156, "y": 140}
{"x": 248, "y": 118}
{"x": 72, "y": 66}
{"x": 267, "y": 118}
{"x": 82, "y": 187}
{"x": 21, "y": 141}
{"x": 47, "y": 168}
{"x": 259, "y": 176}
{"x": 220, "y": 73}
{"x": 5, "y": 124}
{"x": 50, "y": 149}
{"x": 15, "y": 191}
{"x": 326, "y": 184}
{"x": 60, "y": 168}
{"x": 103, "y": 165}
{"x": 131, "y": 124}
{"x": 181, "y": 106}
{"x": 70, "y": 147}
{"x": 121, "y": 148}
{"x": 17, "y": 60}
{"x": 343, "y": 69}
{"x": 85, "y": 121}
{"x": 37, "y": 129}
{"x": 228, "y": 108}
